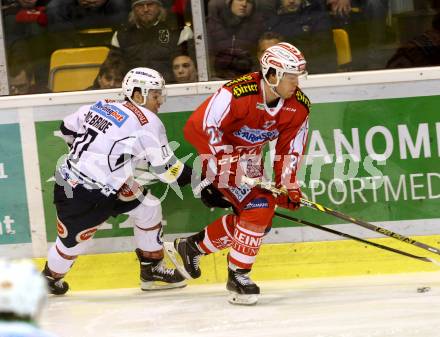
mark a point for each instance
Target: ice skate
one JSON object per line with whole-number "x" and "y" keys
{"x": 55, "y": 285}
{"x": 186, "y": 257}
{"x": 156, "y": 276}
{"x": 242, "y": 290}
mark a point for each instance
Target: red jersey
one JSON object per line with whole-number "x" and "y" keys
{"x": 236, "y": 120}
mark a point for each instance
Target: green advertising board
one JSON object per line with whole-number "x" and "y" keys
{"x": 377, "y": 160}
{"x": 14, "y": 216}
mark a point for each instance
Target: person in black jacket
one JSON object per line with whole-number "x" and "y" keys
{"x": 233, "y": 28}
{"x": 147, "y": 39}
{"x": 69, "y": 15}
{"x": 423, "y": 50}
{"x": 306, "y": 24}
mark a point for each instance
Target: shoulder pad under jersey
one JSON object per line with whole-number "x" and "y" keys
{"x": 243, "y": 86}
{"x": 303, "y": 99}
{"x": 140, "y": 115}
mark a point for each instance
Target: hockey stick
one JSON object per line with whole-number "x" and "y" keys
{"x": 345, "y": 235}
{"x": 270, "y": 187}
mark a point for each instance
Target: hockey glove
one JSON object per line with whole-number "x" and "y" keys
{"x": 291, "y": 200}
{"x": 212, "y": 198}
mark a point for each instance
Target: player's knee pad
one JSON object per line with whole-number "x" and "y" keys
{"x": 148, "y": 214}
{"x": 75, "y": 235}
{"x": 149, "y": 239}
{"x": 258, "y": 212}
{"x": 79, "y": 249}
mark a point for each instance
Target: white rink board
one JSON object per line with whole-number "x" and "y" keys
{"x": 368, "y": 306}
{"x": 355, "y": 86}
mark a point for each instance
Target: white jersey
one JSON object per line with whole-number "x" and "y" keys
{"x": 21, "y": 329}
{"x": 111, "y": 138}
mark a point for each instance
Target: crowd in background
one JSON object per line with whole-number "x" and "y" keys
{"x": 159, "y": 34}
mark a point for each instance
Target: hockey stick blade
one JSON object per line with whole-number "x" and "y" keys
{"x": 175, "y": 257}
{"x": 304, "y": 202}
{"x": 348, "y": 236}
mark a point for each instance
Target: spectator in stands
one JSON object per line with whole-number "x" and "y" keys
{"x": 423, "y": 50}
{"x": 266, "y": 40}
{"x": 25, "y": 24}
{"x": 21, "y": 79}
{"x": 66, "y": 18}
{"x": 307, "y": 25}
{"x": 365, "y": 22}
{"x": 147, "y": 39}
{"x": 23, "y": 19}
{"x": 110, "y": 75}
{"x": 70, "y": 15}
{"x": 184, "y": 69}
{"x": 233, "y": 28}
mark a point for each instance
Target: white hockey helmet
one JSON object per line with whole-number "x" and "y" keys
{"x": 145, "y": 79}
{"x": 284, "y": 58}
{"x": 23, "y": 290}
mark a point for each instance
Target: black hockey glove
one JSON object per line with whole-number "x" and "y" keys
{"x": 213, "y": 198}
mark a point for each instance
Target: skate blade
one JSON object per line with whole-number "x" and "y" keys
{"x": 159, "y": 285}
{"x": 242, "y": 299}
{"x": 176, "y": 259}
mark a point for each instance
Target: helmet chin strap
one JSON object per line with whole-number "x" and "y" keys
{"x": 137, "y": 104}
{"x": 272, "y": 87}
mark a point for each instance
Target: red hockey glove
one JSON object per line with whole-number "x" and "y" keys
{"x": 291, "y": 200}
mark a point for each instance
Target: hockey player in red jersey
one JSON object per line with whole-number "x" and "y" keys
{"x": 229, "y": 131}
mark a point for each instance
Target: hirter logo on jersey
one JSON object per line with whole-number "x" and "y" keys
{"x": 241, "y": 90}
{"x": 255, "y": 135}
{"x": 111, "y": 112}
{"x": 302, "y": 98}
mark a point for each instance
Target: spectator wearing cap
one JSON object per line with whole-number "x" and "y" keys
{"x": 233, "y": 28}
{"x": 147, "y": 39}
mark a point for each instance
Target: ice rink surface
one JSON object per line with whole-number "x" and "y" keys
{"x": 367, "y": 306}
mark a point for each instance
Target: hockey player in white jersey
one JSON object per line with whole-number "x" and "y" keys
{"x": 107, "y": 140}
{"x": 23, "y": 293}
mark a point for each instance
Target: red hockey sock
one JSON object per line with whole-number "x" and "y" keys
{"x": 218, "y": 234}
{"x": 245, "y": 246}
